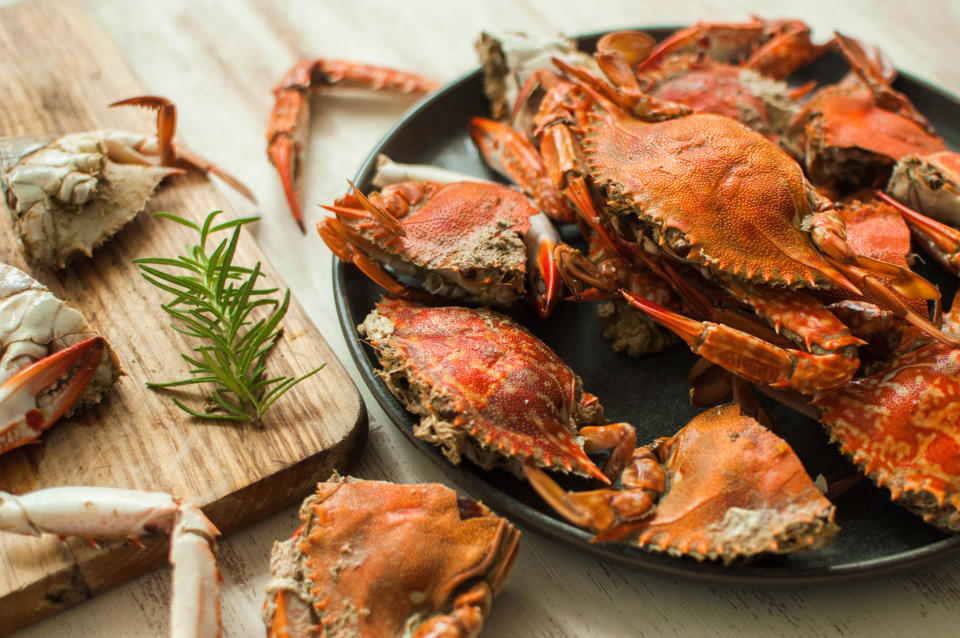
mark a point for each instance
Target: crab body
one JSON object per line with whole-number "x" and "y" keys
{"x": 899, "y": 426}
{"x": 484, "y": 387}
{"x": 471, "y": 241}
{"x": 378, "y": 559}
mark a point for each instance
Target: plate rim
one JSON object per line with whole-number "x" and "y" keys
{"x": 555, "y": 529}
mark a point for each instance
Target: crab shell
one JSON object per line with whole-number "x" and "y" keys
{"x": 378, "y": 559}
{"x": 34, "y": 323}
{"x": 484, "y": 387}
{"x": 464, "y": 240}
{"x": 734, "y": 490}
{"x": 69, "y": 195}
{"x": 843, "y": 135}
{"x": 686, "y": 182}
{"x": 899, "y": 426}
{"x": 745, "y": 95}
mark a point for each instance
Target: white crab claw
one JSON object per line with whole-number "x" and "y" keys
{"x": 55, "y": 381}
{"x": 195, "y": 608}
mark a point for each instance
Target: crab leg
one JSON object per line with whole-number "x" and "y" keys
{"x": 940, "y": 240}
{"x": 603, "y": 509}
{"x": 21, "y": 418}
{"x": 106, "y": 512}
{"x": 287, "y": 130}
{"x": 511, "y": 155}
{"x": 753, "y": 358}
{"x": 174, "y": 155}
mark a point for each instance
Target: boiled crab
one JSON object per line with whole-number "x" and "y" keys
{"x": 287, "y": 129}
{"x": 52, "y": 362}
{"x": 70, "y": 194}
{"x": 705, "y": 190}
{"x": 488, "y": 390}
{"x": 378, "y": 559}
{"x": 723, "y": 487}
{"x": 476, "y": 241}
{"x": 104, "y": 512}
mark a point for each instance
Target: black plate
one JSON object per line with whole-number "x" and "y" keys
{"x": 651, "y": 393}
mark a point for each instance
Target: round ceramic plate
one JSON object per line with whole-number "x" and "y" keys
{"x": 651, "y": 393}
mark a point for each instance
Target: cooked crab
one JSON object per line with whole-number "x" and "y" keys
{"x": 379, "y": 559}
{"x": 488, "y": 390}
{"x": 70, "y": 194}
{"x": 106, "y": 512}
{"x": 51, "y": 363}
{"x": 723, "y": 487}
{"x": 475, "y": 241}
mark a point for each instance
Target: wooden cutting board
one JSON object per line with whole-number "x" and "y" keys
{"x": 58, "y": 71}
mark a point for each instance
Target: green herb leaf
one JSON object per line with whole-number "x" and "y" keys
{"x": 213, "y": 301}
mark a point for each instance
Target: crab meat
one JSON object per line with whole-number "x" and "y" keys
{"x": 723, "y": 487}
{"x": 379, "y": 559}
{"x": 106, "y": 512}
{"x": 488, "y": 390}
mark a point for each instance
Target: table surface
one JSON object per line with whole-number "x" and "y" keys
{"x": 218, "y": 59}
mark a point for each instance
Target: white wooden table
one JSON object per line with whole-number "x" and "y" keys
{"x": 217, "y": 60}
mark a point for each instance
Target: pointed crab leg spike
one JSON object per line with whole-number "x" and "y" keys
{"x": 380, "y": 214}
{"x": 197, "y": 163}
{"x": 21, "y": 420}
{"x": 345, "y": 211}
{"x": 337, "y": 244}
{"x": 166, "y": 123}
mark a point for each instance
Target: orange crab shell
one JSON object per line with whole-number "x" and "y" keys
{"x": 900, "y": 426}
{"x": 379, "y": 559}
{"x": 682, "y": 174}
{"x": 444, "y": 224}
{"x": 479, "y": 380}
{"x": 735, "y": 490}
{"x": 843, "y": 122}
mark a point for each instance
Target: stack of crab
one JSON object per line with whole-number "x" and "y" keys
{"x": 766, "y": 225}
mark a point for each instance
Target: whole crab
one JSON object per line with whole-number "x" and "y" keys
{"x": 488, "y": 390}
{"x": 378, "y": 559}
{"x": 723, "y": 487}
{"x": 476, "y": 241}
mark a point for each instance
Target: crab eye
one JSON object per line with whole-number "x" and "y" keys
{"x": 469, "y": 508}
{"x": 934, "y": 181}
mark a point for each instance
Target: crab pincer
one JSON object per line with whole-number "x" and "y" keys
{"x": 35, "y": 397}
{"x": 287, "y": 129}
{"x": 176, "y": 155}
{"x": 723, "y": 487}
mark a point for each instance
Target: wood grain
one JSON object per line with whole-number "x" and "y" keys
{"x": 58, "y": 70}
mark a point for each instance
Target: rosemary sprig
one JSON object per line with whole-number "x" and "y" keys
{"x": 213, "y": 300}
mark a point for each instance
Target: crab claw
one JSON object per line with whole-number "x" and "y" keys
{"x": 22, "y": 419}
{"x": 177, "y": 156}
{"x": 290, "y": 118}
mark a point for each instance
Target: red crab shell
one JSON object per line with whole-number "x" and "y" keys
{"x": 467, "y": 232}
{"x": 734, "y": 490}
{"x": 902, "y": 427}
{"x": 483, "y": 385}
{"x": 844, "y": 135}
{"x": 687, "y": 177}
{"x": 379, "y": 559}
